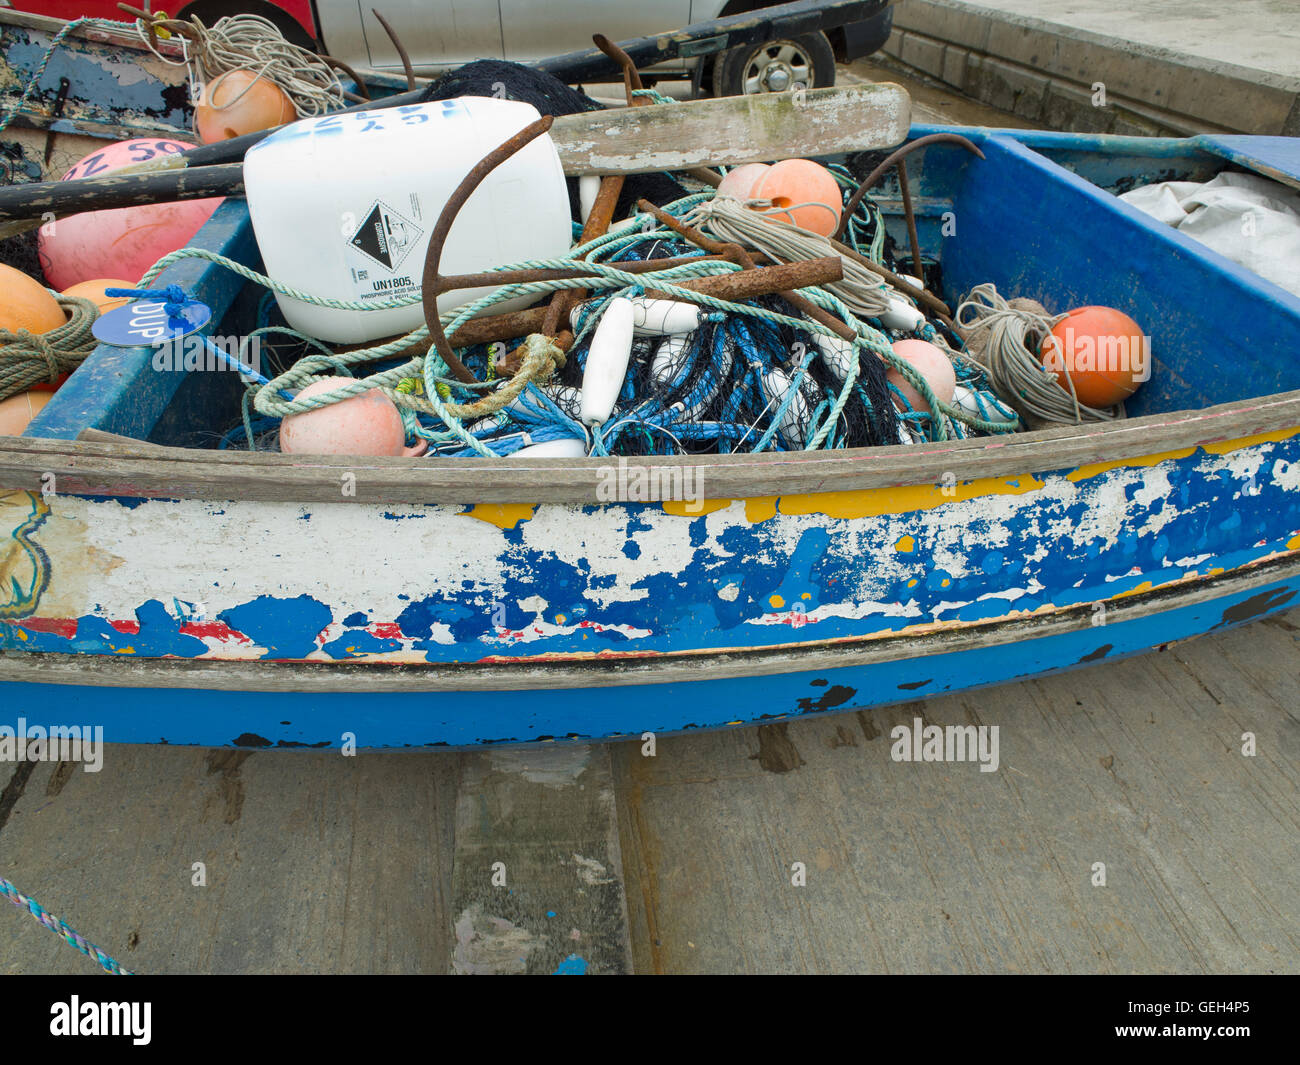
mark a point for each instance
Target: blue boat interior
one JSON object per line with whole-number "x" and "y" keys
{"x": 1038, "y": 217}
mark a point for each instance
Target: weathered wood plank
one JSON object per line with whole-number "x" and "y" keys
{"x": 734, "y": 129}
{"x": 538, "y": 881}
{"x": 120, "y": 190}
{"x": 636, "y": 140}
{"x": 172, "y": 473}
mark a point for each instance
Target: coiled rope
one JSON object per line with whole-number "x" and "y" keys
{"x": 56, "y": 925}
{"x": 28, "y": 359}
{"x": 1005, "y": 340}
{"x": 727, "y": 218}
{"x": 252, "y": 43}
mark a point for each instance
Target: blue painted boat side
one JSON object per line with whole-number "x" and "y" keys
{"x": 428, "y": 719}
{"x": 118, "y": 389}
{"x": 1064, "y": 241}
{"x": 446, "y": 583}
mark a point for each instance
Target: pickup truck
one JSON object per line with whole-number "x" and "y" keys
{"x": 441, "y": 34}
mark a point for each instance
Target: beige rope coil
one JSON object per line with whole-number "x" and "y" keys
{"x": 252, "y": 43}
{"x": 1003, "y": 338}
{"x": 726, "y": 218}
{"x": 28, "y": 359}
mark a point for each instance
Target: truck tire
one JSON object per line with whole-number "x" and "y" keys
{"x": 775, "y": 66}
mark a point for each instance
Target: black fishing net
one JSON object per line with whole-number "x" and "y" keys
{"x": 20, "y": 251}
{"x": 723, "y": 388}
{"x": 513, "y": 81}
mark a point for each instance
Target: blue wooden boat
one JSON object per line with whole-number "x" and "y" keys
{"x": 183, "y": 595}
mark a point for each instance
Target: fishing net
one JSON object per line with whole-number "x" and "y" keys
{"x": 739, "y": 382}
{"x": 20, "y": 251}
{"x": 748, "y": 376}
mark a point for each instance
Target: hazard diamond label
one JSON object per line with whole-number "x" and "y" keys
{"x": 386, "y": 236}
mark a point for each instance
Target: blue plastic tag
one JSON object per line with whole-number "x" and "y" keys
{"x": 146, "y": 323}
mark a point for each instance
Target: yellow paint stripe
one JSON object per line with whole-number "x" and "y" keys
{"x": 871, "y": 502}
{"x": 693, "y": 510}
{"x": 1221, "y": 447}
{"x": 502, "y": 515}
{"x": 1145, "y": 586}
{"x": 1293, "y": 544}
{"x": 1225, "y": 446}
{"x": 1095, "y": 468}
{"x": 760, "y": 508}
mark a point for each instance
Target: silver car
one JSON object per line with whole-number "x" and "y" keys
{"x": 440, "y": 34}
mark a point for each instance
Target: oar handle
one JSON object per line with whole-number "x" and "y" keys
{"x": 119, "y": 190}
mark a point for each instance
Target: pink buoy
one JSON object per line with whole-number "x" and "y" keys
{"x": 126, "y": 241}
{"x": 932, "y": 364}
{"x": 366, "y": 424}
{"x": 739, "y": 183}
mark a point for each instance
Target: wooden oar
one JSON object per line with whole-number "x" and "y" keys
{"x": 640, "y": 140}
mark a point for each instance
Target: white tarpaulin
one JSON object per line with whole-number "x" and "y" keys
{"x": 1247, "y": 218}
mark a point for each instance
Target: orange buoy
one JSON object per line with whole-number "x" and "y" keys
{"x": 239, "y": 102}
{"x": 801, "y": 181}
{"x": 1102, "y": 351}
{"x": 934, "y": 367}
{"x": 364, "y": 424}
{"x": 739, "y": 183}
{"x": 17, "y": 412}
{"x": 27, "y": 304}
{"x": 94, "y": 291}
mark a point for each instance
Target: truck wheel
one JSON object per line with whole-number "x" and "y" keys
{"x": 776, "y": 66}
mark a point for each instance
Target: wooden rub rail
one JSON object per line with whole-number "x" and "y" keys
{"x": 141, "y": 470}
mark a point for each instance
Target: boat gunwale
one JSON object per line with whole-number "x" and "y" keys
{"x": 97, "y": 34}
{"x": 550, "y": 670}
{"x": 151, "y": 471}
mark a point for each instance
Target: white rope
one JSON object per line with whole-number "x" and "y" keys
{"x": 726, "y": 218}
{"x": 1010, "y": 337}
{"x": 252, "y": 43}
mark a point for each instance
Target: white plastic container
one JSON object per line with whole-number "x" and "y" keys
{"x": 343, "y": 207}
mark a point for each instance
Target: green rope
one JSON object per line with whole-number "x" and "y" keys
{"x": 28, "y": 359}
{"x": 269, "y": 398}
